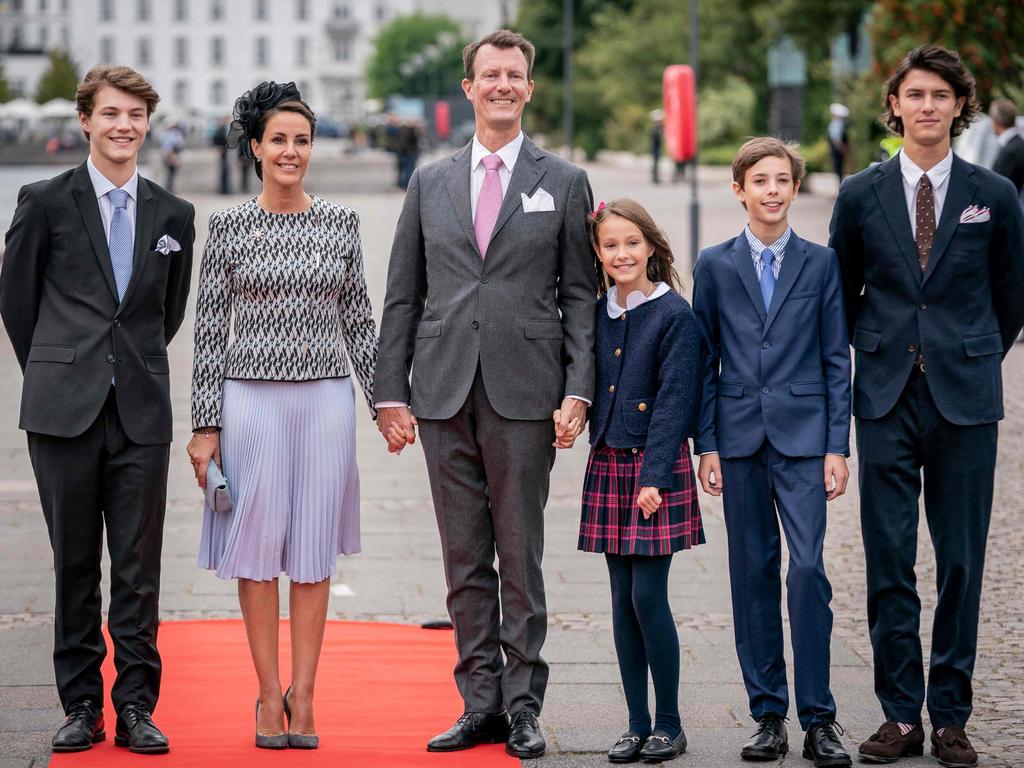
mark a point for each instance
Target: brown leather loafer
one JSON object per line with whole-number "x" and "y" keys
{"x": 953, "y": 748}
{"x": 887, "y": 744}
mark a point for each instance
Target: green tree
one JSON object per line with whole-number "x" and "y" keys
{"x": 5, "y": 87}
{"x": 60, "y": 80}
{"x": 406, "y": 44}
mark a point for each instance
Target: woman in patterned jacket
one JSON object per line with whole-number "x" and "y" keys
{"x": 275, "y": 408}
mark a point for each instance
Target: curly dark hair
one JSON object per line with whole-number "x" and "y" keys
{"x": 255, "y": 107}
{"x": 946, "y": 64}
{"x": 660, "y": 267}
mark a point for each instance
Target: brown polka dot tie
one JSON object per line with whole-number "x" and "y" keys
{"x": 925, "y": 234}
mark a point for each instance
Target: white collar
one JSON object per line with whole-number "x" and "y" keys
{"x": 1004, "y": 137}
{"x": 633, "y": 300}
{"x": 936, "y": 175}
{"x": 102, "y": 185}
{"x": 508, "y": 154}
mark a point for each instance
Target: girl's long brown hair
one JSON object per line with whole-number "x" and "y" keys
{"x": 659, "y": 267}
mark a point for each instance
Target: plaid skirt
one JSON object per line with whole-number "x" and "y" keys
{"x": 613, "y": 523}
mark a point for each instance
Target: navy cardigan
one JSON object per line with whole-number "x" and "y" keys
{"x": 648, "y": 381}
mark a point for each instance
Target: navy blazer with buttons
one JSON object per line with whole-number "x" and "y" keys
{"x": 782, "y": 374}
{"x": 962, "y": 313}
{"x": 648, "y": 382}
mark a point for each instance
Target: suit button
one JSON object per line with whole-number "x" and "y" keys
{"x": 117, "y": 323}
{"x": 922, "y": 306}
{"x": 483, "y": 279}
{"x": 618, "y": 353}
{"x": 476, "y": 324}
{"x": 623, "y": 316}
{"x": 912, "y": 348}
{"x": 111, "y": 359}
{"x": 633, "y": 449}
{"x": 765, "y": 345}
{"x": 765, "y": 390}
{"x": 642, "y": 407}
{"x": 611, "y": 388}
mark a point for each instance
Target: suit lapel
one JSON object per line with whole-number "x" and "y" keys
{"x": 456, "y": 179}
{"x": 744, "y": 264}
{"x": 527, "y": 172}
{"x": 145, "y": 218}
{"x": 893, "y": 201}
{"x": 792, "y": 262}
{"x": 960, "y": 191}
{"x": 89, "y": 209}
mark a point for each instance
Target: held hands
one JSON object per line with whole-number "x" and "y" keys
{"x": 836, "y": 476}
{"x": 397, "y": 426}
{"x": 710, "y": 474}
{"x": 648, "y": 500}
{"x": 201, "y": 448}
{"x": 569, "y": 421}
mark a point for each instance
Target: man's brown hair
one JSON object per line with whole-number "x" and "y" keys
{"x": 660, "y": 267}
{"x": 503, "y": 38}
{"x": 755, "y": 150}
{"x": 123, "y": 78}
{"x": 947, "y": 65}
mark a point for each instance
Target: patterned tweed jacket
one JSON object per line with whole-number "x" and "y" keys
{"x": 296, "y": 286}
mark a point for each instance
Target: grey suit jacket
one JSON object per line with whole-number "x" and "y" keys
{"x": 525, "y": 314}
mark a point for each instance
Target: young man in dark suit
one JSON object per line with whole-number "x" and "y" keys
{"x": 774, "y": 435}
{"x": 932, "y": 254}
{"x": 94, "y": 283}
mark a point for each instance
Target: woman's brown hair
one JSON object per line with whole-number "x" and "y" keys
{"x": 660, "y": 267}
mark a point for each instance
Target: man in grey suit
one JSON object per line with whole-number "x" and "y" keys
{"x": 490, "y": 305}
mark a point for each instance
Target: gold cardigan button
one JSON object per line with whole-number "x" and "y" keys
{"x": 642, "y": 407}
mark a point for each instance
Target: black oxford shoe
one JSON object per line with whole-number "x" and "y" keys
{"x": 82, "y": 728}
{"x": 769, "y": 742}
{"x": 469, "y": 730}
{"x": 626, "y": 749}
{"x": 660, "y": 747}
{"x": 525, "y": 740}
{"x": 822, "y": 745}
{"x": 135, "y": 730}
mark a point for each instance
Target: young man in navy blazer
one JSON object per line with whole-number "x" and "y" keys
{"x": 773, "y": 438}
{"x": 932, "y": 254}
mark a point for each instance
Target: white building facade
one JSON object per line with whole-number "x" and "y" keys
{"x": 201, "y": 54}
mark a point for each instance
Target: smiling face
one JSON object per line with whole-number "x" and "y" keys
{"x": 116, "y": 128}
{"x": 285, "y": 149}
{"x": 927, "y": 105}
{"x": 767, "y": 192}
{"x": 624, "y": 252}
{"x": 500, "y": 88}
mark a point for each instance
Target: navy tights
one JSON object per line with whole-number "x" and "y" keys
{"x": 646, "y": 638}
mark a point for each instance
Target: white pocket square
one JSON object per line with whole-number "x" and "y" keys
{"x": 975, "y": 214}
{"x": 541, "y": 201}
{"x": 167, "y": 244}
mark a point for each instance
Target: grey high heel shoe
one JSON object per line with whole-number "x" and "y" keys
{"x": 273, "y": 741}
{"x": 298, "y": 740}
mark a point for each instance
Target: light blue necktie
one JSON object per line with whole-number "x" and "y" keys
{"x": 121, "y": 241}
{"x": 767, "y": 280}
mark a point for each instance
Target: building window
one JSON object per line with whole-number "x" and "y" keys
{"x": 181, "y": 51}
{"x": 16, "y": 39}
{"x": 216, "y": 10}
{"x": 65, "y": 6}
{"x": 42, "y": 6}
{"x": 302, "y": 10}
{"x": 382, "y": 11}
{"x": 181, "y": 93}
{"x": 217, "y": 94}
{"x": 65, "y": 38}
{"x": 217, "y": 50}
{"x": 17, "y": 6}
{"x": 260, "y": 10}
{"x": 181, "y": 10}
{"x": 106, "y": 10}
{"x": 145, "y": 56}
{"x": 342, "y": 49}
{"x": 262, "y": 51}
{"x": 301, "y": 51}
{"x": 341, "y": 11}
{"x": 107, "y": 55}
{"x": 44, "y": 37}
{"x": 143, "y": 10}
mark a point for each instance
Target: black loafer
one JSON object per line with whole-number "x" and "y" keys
{"x": 135, "y": 730}
{"x": 525, "y": 740}
{"x": 822, "y": 745}
{"x": 660, "y": 747}
{"x": 626, "y": 749}
{"x": 471, "y": 729}
{"x": 769, "y": 742}
{"x": 82, "y": 728}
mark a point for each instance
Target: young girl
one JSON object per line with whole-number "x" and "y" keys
{"x": 639, "y": 497}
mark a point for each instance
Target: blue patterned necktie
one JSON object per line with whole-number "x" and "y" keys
{"x": 767, "y": 280}
{"x": 120, "y": 241}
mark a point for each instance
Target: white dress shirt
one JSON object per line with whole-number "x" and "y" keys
{"x": 757, "y": 249}
{"x": 1004, "y": 138}
{"x": 508, "y": 154}
{"x": 102, "y": 185}
{"x": 938, "y": 175}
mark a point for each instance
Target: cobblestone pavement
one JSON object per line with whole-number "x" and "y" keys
{"x": 584, "y": 710}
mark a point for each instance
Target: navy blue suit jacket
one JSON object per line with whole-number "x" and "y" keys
{"x": 964, "y": 311}
{"x": 783, "y": 374}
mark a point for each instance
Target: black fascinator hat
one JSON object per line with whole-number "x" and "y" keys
{"x": 250, "y": 112}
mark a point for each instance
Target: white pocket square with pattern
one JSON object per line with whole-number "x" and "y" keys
{"x": 541, "y": 201}
{"x": 167, "y": 244}
{"x": 975, "y": 214}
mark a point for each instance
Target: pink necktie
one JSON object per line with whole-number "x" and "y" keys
{"x": 489, "y": 203}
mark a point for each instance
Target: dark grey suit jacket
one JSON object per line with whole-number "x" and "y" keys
{"x": 525, "y": 314}
{"x": 59, "y": 305}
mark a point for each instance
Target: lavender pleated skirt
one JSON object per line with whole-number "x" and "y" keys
{"x": 289, "y": 456}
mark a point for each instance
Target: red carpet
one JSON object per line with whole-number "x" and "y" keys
{"x": 382, "y": 691}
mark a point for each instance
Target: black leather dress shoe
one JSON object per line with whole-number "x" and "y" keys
{"x": 660, "y": 747}
{"x": 525, "y": 740}
{"x": 469, "y": 730}
{"x": 626, "y": 749}
{"x": 136, "y": 731}
{"x": 822, "y": 745}
{"x": 769, "y": 742}
{"x": 82, "y": 728}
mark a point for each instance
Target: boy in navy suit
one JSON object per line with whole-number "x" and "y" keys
{"x": 773, "y": 438}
